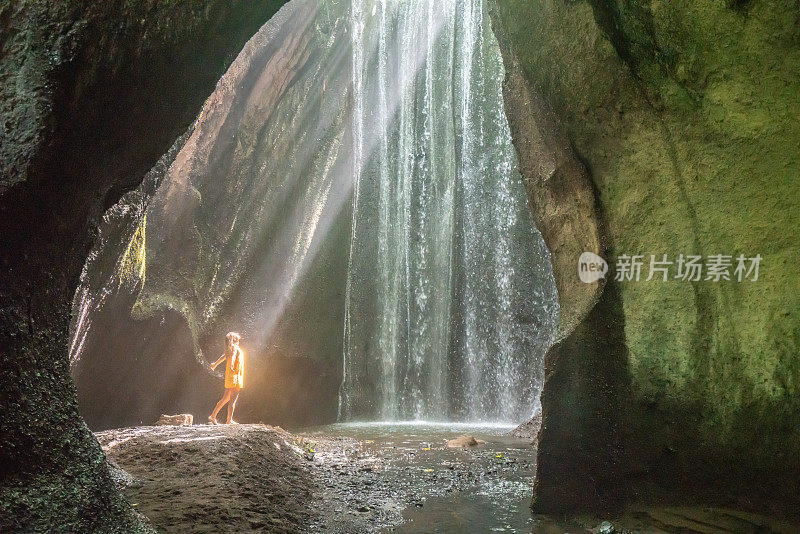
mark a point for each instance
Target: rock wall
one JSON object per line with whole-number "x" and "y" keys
{"x": 679, "y": 117}
{"x": 685, "y": 116}
{"x": 91, "y": 95}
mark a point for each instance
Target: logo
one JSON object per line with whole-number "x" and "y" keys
{"x": 591, "y": 267}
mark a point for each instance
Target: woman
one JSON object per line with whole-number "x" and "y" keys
{"x": 234, "y": 376}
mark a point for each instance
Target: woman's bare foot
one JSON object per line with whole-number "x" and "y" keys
{"x": 232, "y": 422}
{"x": 212, "y": 420}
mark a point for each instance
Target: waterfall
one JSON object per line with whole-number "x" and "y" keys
{"x": 348, "y": 196}
{"x": 450, "y": 301}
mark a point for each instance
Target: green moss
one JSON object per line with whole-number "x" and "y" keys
{"x": 132, "y": 265}
{"x": 686, "y": 113}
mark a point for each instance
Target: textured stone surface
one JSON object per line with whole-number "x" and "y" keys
{"x": 463, "y": 442}
{"x": 223, "y": 478}
{"x": 91, "y": 95}
{"x": 684, "y": 114}
{"x": 183, "y": 419}
{"x": 558, "y": 185}
{"x": 529, "y": 429}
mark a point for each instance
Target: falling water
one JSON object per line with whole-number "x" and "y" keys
{"x": 372, "y": 131}
{"x": 450, "y": 299}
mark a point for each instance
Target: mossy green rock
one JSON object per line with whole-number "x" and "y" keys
{"x": 686, "y": 115}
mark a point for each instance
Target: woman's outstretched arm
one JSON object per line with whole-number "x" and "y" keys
{"x": 216, "y": 363}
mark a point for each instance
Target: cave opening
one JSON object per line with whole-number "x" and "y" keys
{"x": 345, "y": 201}
{"x": 349, "y": 200}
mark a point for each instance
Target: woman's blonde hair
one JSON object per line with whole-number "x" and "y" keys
{"x": 233, "y": 337}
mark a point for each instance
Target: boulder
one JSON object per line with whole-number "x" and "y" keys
{"x": 529, "y": 429}
{"x": 183, "y": 419}
{"x": 463, "y": 442}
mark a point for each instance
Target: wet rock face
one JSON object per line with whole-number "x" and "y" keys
{"x": 681, "y": 114}
{"x": 529, "y": 429}
{"x": 91, "y": 95}
{"x": 559, "y": 188}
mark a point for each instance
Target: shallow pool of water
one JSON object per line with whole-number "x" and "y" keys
{"x": 413, "y": 482}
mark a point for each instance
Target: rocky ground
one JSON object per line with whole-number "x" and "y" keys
{"x": 410, "y": 480}
{"x": 241, "y": 478}
{"x": 206, "y": 478}
{"x": 344, "y": 479}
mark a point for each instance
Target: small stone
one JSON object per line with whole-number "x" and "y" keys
{"x": 604, "y": 528}
{"x": 464, "y": 442}
{"x": 184, "y": 419}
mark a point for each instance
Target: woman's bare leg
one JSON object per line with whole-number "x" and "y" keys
{"x": 225, "y": 398}
{"x": 232, "y": 404}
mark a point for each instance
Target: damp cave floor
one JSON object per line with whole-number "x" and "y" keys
{"x": 357, "y": 478}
